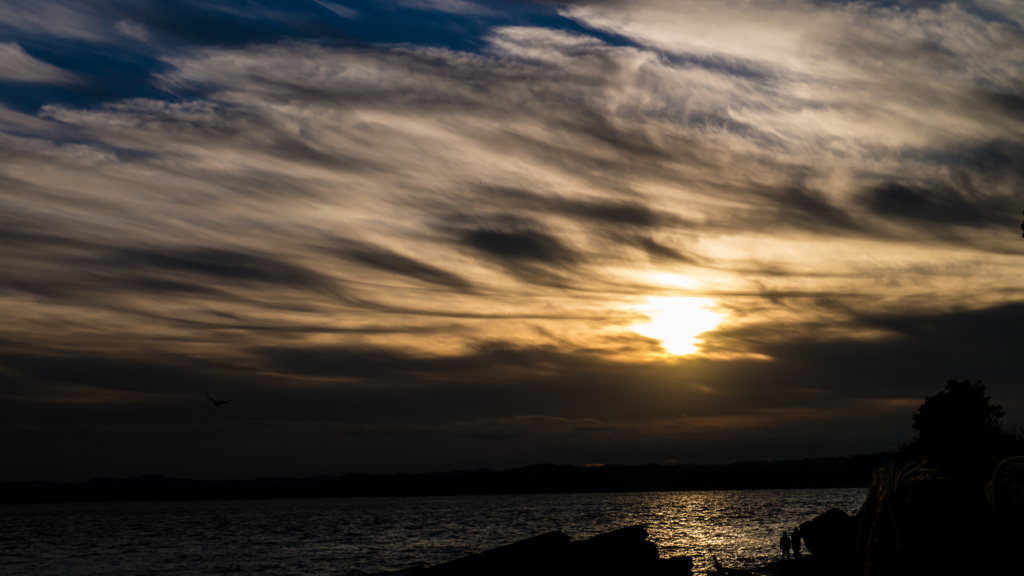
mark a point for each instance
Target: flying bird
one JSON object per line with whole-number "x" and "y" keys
{"x": 216, "y": 404}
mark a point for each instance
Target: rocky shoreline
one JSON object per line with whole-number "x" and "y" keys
{"x": 909, "y": 524}
{"x": 950, "y": 502}
{"x": 623, "y": 551}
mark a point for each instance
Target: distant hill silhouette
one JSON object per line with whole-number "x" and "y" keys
{"x": 851, "y": 471}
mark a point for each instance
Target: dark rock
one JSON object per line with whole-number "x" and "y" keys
{"x": 917, "y": 520}
{"x": 676, "y": 565}
{"x": 1005, "y": 491}
{"x": 1005, "y": 498}
{"x": 535, "y": 555}
{"x": 831, "y": 537}
{"x": 622, "y": 548}
{"x": 723, "y": 571}
{"x": 808, "y": 565}
{"x": 623, "y": 551}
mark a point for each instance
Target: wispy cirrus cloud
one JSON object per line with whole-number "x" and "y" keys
{"x": 451, "y": 7}
{"x": 46, "y": 17}
{"x": 606, "y": 156}
{"x": 337, "y": 217}
{"x": 133, "y": 30}
{"x": 18, "y": 66}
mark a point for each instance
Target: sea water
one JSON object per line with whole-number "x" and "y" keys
{"x": 361, "y": 536}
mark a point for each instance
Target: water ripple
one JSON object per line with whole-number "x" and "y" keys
{"x": 365, "y": 536}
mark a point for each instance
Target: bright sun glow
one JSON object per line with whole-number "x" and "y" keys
{"x": 677, "y": 322}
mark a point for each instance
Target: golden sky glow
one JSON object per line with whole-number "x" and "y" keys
{"x": 576, "y": 224}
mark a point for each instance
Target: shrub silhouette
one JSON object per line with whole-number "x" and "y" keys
{"x": 955, "y": 423}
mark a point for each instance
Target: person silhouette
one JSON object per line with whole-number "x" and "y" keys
{"x": 796, "y": 542}
{"x": 785, "y": 543}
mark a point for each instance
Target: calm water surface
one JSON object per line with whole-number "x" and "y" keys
{"x": 360, "y": 536}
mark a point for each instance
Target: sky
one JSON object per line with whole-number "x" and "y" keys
{"x": 427, "y": 235}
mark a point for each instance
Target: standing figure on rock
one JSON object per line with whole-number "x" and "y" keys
{"x": 796, "y": 542}
{"x": 785, "y": 543}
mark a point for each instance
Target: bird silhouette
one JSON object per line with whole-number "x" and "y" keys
{"x": 216, "y": 404}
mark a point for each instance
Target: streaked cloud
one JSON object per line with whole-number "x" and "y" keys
{"x": 339, "y": 9}
{"x": 48, "y": 17}
{"x": 411, "y": 236}
{"x": 133, "y": 30}
{"x": 450, "y": 6}
{"x": 17, "y": 66}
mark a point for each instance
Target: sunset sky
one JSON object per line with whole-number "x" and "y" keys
{"x": 426, "y": 235}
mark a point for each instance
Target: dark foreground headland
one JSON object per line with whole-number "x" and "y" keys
{"x": 915, "y": 521}
{"x": 844, "y": 472}
{"x": 950, "y": 502}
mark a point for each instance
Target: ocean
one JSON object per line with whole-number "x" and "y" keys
{"x": 363, "y": 536}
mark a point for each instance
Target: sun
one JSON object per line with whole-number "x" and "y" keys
{"x": 677, "y": 322}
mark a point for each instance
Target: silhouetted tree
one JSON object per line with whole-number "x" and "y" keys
{"x": 960, "y": 412}
{"x": 958, "y": 428}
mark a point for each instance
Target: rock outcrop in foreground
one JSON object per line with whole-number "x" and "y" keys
{"x": 624, "y": 551}
{"x": 919, "y": 519}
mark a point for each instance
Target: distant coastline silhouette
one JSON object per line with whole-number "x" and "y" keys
{"x": 216, "y": 403}
{"x": 840, "y": 472}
